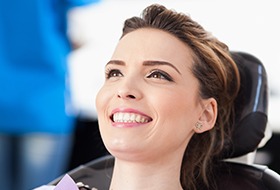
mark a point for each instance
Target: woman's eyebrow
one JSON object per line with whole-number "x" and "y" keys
{"x": 145, "y": 63}
{"x": 154, "y": 63}
{"x": 116, "y": 62}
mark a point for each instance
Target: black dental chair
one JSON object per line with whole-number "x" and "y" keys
{"x": 251, "y": 121}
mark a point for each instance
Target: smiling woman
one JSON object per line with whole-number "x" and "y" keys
{"x": 166, "y": 104}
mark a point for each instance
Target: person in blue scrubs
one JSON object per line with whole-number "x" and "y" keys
{"x": 36, "y": 126}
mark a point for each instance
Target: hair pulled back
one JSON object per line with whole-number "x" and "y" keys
{"x": 218, "y": 78}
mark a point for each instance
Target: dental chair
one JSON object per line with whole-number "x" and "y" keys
{"x": 249, "y": 132}
{"x": 251, "y": 123}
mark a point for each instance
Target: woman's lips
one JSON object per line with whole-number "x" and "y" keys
{"x": 129, "y": 118}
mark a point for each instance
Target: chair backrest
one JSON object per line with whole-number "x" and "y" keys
{"x": 251, "y": 106}
{"x": 251, "y": 120}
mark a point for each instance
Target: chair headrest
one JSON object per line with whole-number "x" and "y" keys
{"x": 251, "y": 106}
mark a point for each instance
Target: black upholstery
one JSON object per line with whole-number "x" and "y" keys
{"x": 96, "y": 173}
{"x": 235, "y": 176}
{"x": 231, "y": 176}
{"x": 251, "y": 120}
{"x": 250, "y": 106}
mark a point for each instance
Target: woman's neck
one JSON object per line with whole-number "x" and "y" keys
{"x": 164, "y": 174}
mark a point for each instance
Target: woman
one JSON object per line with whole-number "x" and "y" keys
{"x": 167, "y": 103}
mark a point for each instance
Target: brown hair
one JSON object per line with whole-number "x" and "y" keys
{"x": 218, "y": 77}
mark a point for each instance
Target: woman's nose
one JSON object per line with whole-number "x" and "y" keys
{"x": 126, "y": 96}
{"x": 129, "y": 90}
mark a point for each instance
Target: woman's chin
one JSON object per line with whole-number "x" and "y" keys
{"x": 125, "y": 151}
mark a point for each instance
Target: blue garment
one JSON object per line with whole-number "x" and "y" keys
{"x": 35, "y": 130}
{"x": 33, "y": 66}
{"x": 36, "y": 159}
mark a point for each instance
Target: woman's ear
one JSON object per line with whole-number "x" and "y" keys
{"x": 208, "y": 116}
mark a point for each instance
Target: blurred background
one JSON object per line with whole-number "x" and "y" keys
{"x": 250, "y": 26}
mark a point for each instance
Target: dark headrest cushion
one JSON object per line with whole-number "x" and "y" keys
{"x": 250, "y": 106}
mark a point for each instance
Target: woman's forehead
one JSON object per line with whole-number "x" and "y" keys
{"x": 153, "y": 44}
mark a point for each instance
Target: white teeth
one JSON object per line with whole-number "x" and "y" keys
{"x": 129, "y": 118}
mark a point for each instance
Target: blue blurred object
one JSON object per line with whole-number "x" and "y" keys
{"x": 34, "y": 96}
{"x": 33, "y": 65}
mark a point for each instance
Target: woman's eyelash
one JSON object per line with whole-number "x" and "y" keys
{"x": 157, "y": 74}
{"x": 160, "y": 75}
{"x": 112, "y": 73}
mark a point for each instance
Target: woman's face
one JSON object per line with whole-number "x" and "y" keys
{"x": 149, "y": 103}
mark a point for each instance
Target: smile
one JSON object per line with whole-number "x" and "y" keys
{"x": 121, "y": 117}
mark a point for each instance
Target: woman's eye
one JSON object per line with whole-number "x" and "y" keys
{"x": 113, "y": 73}
{"x": 160, "y": 75}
